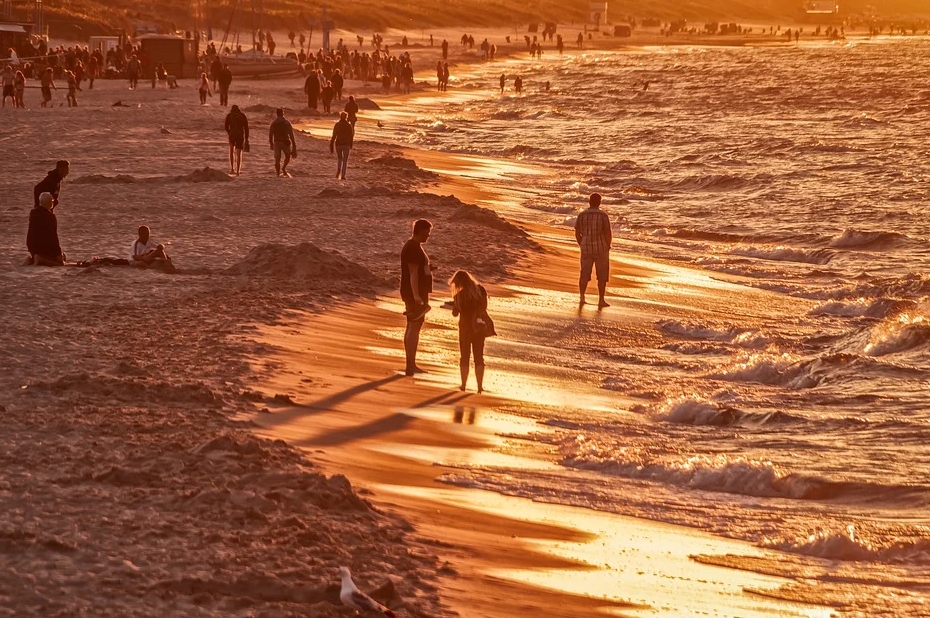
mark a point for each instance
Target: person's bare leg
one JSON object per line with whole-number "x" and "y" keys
{"x": 464, "y": 359}
{"x": 411, "y": 343}
{"x": 238, "y": 161}
{"x": 479, "y": 363}
{"x": 232, "y": 159}
{"x": 601, "y": 290}
{"x": 582, "y": 288}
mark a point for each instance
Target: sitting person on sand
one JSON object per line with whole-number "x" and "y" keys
{"x": 42, "y": 237}
{"x": 145, "y": 252}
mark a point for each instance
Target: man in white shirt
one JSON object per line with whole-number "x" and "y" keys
{"x": 145, "y": 252}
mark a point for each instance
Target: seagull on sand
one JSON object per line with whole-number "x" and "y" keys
{"x": 380, "y": 124}
{"x": 353, "y": 597}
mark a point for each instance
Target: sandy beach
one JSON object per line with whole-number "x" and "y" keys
{"x": 218, "y": 442}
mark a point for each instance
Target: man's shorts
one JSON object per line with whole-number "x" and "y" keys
{"x": 8, "y": 91}
{"x": 415, "y": 312}
{"x": 238, "y": 141}
{"x": 282, "y": 148}
{"x": 601, "y": 262}
{"x": 46, "y": 94}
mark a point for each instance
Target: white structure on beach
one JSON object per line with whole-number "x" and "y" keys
{"x": 822, "y": 7}
{"x": 597, "y": 12}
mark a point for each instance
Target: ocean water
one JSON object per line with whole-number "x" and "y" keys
{"x": 804, "y": 170}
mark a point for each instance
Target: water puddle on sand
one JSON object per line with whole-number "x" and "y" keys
{"x": 631, "y": 560}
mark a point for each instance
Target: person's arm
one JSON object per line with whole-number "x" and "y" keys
{"x": 293, "y": 139}
{"x": 245, "y": 127}
{"x": 456, "y": 309}
{"x": 271, "y": 135}
{"x": 332, "y": 140}
{"x": 578, "y": 234}
{"x": 608, "y": 233}
{"x": 414, "y": 270}
{"x": 226, "y": 124}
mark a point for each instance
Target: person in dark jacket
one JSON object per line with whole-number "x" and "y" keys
{"x": 224, "y": 79}
{"x": 470, "y": 304}
{"x": 312, "y": 89}
{"x": 338, "y": 83}
{"x": 237, "y": 128}
{"x": 42, "y": 236}
{"x": 52, "y": 183}
{"x": 341, "y": 143}
{"x": 351, "y": 109}
{"x": 326, "y": 95}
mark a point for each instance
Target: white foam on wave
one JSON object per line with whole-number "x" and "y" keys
{"x": 723, "y": 473}
{"x": 861, "y": 308}
{"x": 742, "y": 337}
{"x": 782, "y": 253}
{"x": 691, "y": 410}
{"x": 903, "y": 333}
{"x": 776, "y": 370}
{"x": 849, "y": 545}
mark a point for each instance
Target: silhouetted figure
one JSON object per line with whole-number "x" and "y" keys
{"x": 351, "y": 109}
{"x": 503, "y": 81}
{"x": 225, "y": 80}
{"x": 51, "y": 184}
{"x": 237, "y": 128}
{"x": 416, "y": 284}
{"x": 282, "y": 141}
{"x": 593, "y": 235}
{"x": 470, "y": 304}
{"x": 341, "y": 143}
{"x": 42, "y": 235}
{"x": 312, "y": 88}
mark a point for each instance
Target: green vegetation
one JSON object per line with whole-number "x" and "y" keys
{"x": 78, "y": 19}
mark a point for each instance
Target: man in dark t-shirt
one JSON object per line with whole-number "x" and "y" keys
{"x": 52, "y": 183}
{"x": 416, "y": 284}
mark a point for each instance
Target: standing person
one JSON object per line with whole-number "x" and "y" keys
{"x": 47, "y": 83}
{"x": 326, "y": 95}
{"x": 133, "y": 68}
{"x": 312, "y": 89}
{"x": 216, "y": 65}
{"x": 445, "y": 76}
{"x": 51, "y": 184}
{"x": 7, "y": 79}
{"x": 281, "y": 138}
{"x": 224, "y": 80}
{"x": 416, "y": 284}
{"x": 19, "y": 89}
{"x": 42, "y": 235}
{"x": 72, "y": 89}
{"x": 503, "y": 82}
{"x": 439, "y": 75}
{"x": 351, "y": 109}
{"x": 470, "y": 304}
{"x": 593, "y": 235}
{"x": 203, "y": 88}
{"x": 237, "y": 128}
{"x": 93, "y": 67}
{"x": 341, "y": 143}
{"x": 338, "y": 83}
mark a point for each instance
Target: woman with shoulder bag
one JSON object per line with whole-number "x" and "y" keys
{"x": 470, "y": 304}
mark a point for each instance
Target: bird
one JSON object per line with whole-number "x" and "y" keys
{"x": 380, "y": 124}
{"x": 165, "y": 131}
{"x": 353, "y": 597}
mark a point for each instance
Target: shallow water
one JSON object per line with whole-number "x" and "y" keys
{"x": 803, "y": 170}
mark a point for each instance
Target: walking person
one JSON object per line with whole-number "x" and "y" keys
{"x": 351, "y": 108}
{"x": 312, "y": 89}
{"x": 7, "y": 79}
{"x": 503, "y": 81}
{"x": 593, "y": 235}
{"x": 72, "y": 89}
{"x": 416, "y": 284}
{"x": 237, "y": 128}
{"x": 203, "y": 88}
{"x": 47, "y": 82}
{"x": 341, "y": 143}
{"x": 281, "y": 138}
{"x": 133, "y": 68}
{"x": 224, "y": 79}
{"x": 470, "y": 304}
{"x": 19, "y": 89}
{"x": 326, "y": 96}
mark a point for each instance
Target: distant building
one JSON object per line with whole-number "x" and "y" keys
{"x": 597, "y": 13}
{"x": 822, "y": 7}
